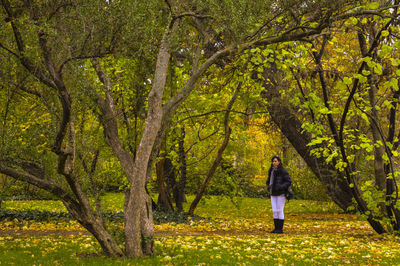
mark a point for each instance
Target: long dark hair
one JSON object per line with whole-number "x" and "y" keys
{"x": 279, "y": 165}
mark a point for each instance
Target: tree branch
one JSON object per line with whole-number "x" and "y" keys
{"x": 109, "y": 121}
{"x": 45, "y": 184}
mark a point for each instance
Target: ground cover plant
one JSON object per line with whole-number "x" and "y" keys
{"x": 315, "y": 233}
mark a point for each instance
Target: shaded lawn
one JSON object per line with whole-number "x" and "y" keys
{"x": 316, "y": 233}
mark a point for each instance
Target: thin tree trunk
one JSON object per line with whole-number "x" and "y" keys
{"x": 218, "y": 159}
{"x": 180, "y": 187}
{"x": 164, "y": 199}
{"x": 379, "y": 151}
{"x": 382, "y": 170}
{"x": 339, "y": 141}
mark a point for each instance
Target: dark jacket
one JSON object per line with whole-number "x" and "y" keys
{"x": 281, "y": 181}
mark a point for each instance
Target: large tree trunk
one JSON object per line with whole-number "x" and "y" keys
{"x": 146, "y": 222}
{"x": 138, "y": 209}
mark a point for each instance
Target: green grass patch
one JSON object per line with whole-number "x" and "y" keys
{"x": 237, "y": 233}
{"x": 210, "y": 250}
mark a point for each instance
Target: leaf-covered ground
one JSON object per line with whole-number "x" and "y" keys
{"x": 315, "y": 233}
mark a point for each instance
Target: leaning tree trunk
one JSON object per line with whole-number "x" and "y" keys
{"x": 77, "y": 205}
{"x": 65, "y": 149}
{"x": 285, "y": 118}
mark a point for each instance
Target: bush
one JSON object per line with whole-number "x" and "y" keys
{"x": 111, "y": 216}
{"x": 236, "y": 181}
{"x": 305, "y": 184}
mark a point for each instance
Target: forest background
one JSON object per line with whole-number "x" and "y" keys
{"x": 164, "y": 100}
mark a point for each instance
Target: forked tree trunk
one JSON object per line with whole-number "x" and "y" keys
{"x": 135, "y": 205}
{"x": 138, "y": 209}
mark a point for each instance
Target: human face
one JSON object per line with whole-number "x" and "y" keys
{"x": 275, "y": 162}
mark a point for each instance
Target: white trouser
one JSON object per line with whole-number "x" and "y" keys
{"x": 278, "y": 203}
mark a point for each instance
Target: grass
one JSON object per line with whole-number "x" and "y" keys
{"x": 317, "y": 233}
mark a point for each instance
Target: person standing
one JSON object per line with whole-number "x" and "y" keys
{"x": 278, "y": 183}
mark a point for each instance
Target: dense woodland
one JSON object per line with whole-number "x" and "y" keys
{"x": 161, "y": 99}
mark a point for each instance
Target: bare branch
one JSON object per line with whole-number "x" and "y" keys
{"x": 191, "y": 14}
{"x": 375, "y": 12}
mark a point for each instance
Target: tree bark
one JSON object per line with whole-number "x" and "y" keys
{"x": 137, "y": 204}
{"x": 164, "y": 200}
{"x": 135, "y": 200}
{"x": 379, "y": 151}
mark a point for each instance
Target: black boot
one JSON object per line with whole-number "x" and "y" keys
{"x": 279, "y": 228}
{"x": 275, "y": 226}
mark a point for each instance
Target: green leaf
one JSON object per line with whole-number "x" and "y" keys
{"x": 366, "y": 72}
{"x": 347, "y": 80}
{"x": 325, "y": 111}
{"x": 372, "y": 5}
{"x": 378, "y": 69}
{"x": 353, "y": 21}
{"x": 351, "y": 158}
{"x": 385, "y": 33}
{"x": 370, "y": 158}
